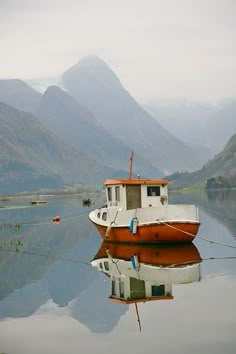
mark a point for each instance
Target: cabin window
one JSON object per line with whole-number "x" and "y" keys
{"x": 158, "y": 290}
{"x": 122, "y": 289}
{"x": 100, "y": 266}
{"x": 98, "y": 214}
{"x": 109, "y": 194}
{"x": 113, "y": 287}
{"x": 117, "y": 193}
{"x": 104, "y": 216}
{"x": 106, "y": 265}
{"x": 153, "y": 191}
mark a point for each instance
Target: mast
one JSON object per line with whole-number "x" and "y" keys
{"x": 138, "y": 318}
{"x": 131, "y": 164}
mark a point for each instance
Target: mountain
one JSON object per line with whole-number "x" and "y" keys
{"x": 94, "y": 310}
{"x": 72, "y": 122}
{"x": 97, "y": 87}
{"x": 222, "y": 124}
{"x": 220, "y": 172}
{"x": 18, "y": 94}
{"x": 198, "y": 119}
{"x": 32, "y": 157}
{"x": 188, "y": 122}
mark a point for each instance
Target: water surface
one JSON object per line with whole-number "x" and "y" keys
{"x": 53, "y": 301}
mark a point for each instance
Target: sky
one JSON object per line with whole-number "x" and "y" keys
{"x": 159, "y": 49}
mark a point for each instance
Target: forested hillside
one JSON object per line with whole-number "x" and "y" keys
{"x": 220, "y": 172}
{"x": 32, "y": 157}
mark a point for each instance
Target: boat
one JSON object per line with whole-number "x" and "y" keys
{"x": 138, "y": 211}
{"x": 37, "y": 202}
{"x": 143, "y": 273}
{"x": 86, "y": 202}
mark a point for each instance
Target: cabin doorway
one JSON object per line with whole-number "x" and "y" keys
{"x": 133, "y": 196}
{"x": 137, "y": 289}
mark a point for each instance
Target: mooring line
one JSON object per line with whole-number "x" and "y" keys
{"x": 46, "y": 255}
{"x": 197, "y": 237}
{"x": 40, "y": 222}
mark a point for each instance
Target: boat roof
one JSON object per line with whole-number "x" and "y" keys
{"x": 127, "y": 302}
{"x": 136, "y": 181}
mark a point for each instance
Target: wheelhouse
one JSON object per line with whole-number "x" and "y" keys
{"x": 129, "y": 289}
{"x": 136, "y": 193}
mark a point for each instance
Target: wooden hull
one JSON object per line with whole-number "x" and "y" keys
{"x": 170, "y": 232}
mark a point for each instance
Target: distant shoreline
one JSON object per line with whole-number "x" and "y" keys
{"x": 5, "y": 197}
{"x": 53, "y": 194}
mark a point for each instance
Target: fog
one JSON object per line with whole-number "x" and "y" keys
{"x": 159, "y": 49}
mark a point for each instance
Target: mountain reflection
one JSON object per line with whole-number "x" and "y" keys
{"x": 50, "y": 272}
{"x": 146, "y": 273}
{"x": 220, "y": 204}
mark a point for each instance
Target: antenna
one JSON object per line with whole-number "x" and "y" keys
{"x": 131, "y": 164}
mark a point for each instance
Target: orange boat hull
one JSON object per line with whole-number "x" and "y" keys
{"x": 164, "y": 255}
{"x": 157, "y": 233}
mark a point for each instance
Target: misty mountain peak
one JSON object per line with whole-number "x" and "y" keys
{"x": 57, "y": 100}
{"x": 92, "y": 61}
{"x": 52, "y": 90}
{"x": 91, "y": 73}
{"x": 55, "y": 94}
{"x": 97, "y": 87}
{"x": 19, "y": 94}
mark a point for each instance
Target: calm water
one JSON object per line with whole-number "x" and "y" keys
{"x": 53, "y": 301}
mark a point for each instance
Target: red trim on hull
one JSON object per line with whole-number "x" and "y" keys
{"x": 158, "y": 233}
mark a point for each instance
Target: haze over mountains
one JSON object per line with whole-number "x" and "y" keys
{"x": 20, "y": 95}
{"x": 220, "y": 172}
{"x": 94, "y": 84}
{"x": 201, "y": 125}
{"x": 32, "y": 157}
{"x": 75, "y": 124}
{"x": 94, "y": 119}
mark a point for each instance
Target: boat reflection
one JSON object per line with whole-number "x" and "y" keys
{"x": 147, "y": 273}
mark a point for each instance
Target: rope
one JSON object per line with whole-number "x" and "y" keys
{"x": 176, "y": 228}
{"x": 110, "y": 226}
{"x": 218, "y": 275}
{"x": 193, "y": 262}
{"x": 40, "y": 222}
{"x": 77, "y": 261}
{"x": 46, "y": 222}
{"x": 198, "y": 237}
{"x": 217, "y": 258}
{"x": 46, "y": 255}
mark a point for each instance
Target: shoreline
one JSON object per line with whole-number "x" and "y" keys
{"x": 6, "y": 197}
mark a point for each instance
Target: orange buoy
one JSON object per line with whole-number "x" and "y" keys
{"x": 56, "y": 219}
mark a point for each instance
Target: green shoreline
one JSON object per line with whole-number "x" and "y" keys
{"x": 86, "y": 189}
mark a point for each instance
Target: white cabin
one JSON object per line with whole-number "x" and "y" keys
{"x": 131, "y": 289}
{"x": 136, "y": 193}
{"x": 147, "y": 282}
